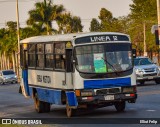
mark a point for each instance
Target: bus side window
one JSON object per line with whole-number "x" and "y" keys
{"x": 31, "y": 55}
{"x": 49, "y": 61}
{"x": 60, "y": 57}
{"x": 40, "y": 55}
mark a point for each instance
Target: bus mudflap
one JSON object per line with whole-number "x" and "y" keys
{"x": 71, "y": 98}
{"x": 24, "y": 83}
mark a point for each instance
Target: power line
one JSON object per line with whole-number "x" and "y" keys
{"x": 9, "y": 1}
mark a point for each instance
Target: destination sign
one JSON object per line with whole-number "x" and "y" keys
{"x": 101, "y": 38}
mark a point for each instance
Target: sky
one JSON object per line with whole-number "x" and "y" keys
{"x": 85, "y": 9}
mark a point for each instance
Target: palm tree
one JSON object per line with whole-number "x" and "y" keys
{"x": 8, "y": 46}
{"x": 44, "y": 14}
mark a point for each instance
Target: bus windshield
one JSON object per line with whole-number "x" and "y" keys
{"x": 103, "y": 58}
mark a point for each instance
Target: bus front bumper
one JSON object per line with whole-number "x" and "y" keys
{"x": 130, "y": 97}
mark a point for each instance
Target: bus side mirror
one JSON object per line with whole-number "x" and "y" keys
{"x": 69, "y": 60}
{"x": 134, "y": 53}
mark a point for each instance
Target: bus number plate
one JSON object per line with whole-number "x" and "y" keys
{"x": 109, "y": 97}
{"x": 150, "y": 77}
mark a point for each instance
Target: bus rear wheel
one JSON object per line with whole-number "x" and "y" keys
{"x": 120, "y": 106}
{"x": 41, "y": 106}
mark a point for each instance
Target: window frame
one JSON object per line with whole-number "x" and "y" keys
{"x": 45, "y": 54}
{"x": 37, "y": 54}
{"x": 28, "y": 61}
{"x": 60, "y": 54}
{"x": 53, "y": 68}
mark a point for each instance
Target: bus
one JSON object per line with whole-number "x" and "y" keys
{"x": 81, "y": 70}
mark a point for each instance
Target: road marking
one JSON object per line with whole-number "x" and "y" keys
{"x": 150, "y": 110}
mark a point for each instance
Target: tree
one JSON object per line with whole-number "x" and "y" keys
{"x": 143, "y": 10}
{"x": 106, "y": 20}
{"x": 76, "y": 25}
{"x": 143, "y": 13}
{"x": 12, "y": 26}
{"x": 95, "y": 25}
{"x": 28, "y": 32}
{"x": 44, "y": 13}
{"x": 105, "y": 15}
{"x": 69, "y": 24}
{"x": 8, "y": 44}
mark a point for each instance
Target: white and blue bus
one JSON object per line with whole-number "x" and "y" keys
{"x": 83, "y": 70}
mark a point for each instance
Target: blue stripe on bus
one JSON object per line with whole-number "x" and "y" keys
{"x": 31, "y": 91}
{"x": 25, "y": 81}
{"x": 71, "y": 97}
{"x": 50, "y": 96}
{"x": 107, "y": 83}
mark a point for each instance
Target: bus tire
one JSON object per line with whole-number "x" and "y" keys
{"x": 39, "y": 105}
{"x": 47, "y": 106}
{"x": 69, "y": 111}
{"x": 120, "y": 106}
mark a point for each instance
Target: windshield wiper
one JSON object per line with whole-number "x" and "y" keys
{"x": 113, "y": 68}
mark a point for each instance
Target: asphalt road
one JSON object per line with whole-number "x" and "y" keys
{"x": 14, "y": 105}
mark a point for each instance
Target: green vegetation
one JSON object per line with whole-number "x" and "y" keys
{"x": 39, "y": 23}
{"x": 143, "y": 13}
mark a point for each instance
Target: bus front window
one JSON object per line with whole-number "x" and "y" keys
{"x": 100, "y": 59}
{"x": 120, "y": 60}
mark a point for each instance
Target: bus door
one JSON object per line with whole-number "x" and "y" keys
{"x": 69, "y": 68}
{"x": 24, "y": 73}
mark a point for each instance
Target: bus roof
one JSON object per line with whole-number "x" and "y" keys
{"x": 65, "y": 37}
{"x": 49, "y": 38}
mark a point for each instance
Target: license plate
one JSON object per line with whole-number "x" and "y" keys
{"x": 109, "y": 97}
{"x": 150, "y": 77}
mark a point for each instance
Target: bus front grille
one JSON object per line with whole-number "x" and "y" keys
{"x": 108, "y": 91}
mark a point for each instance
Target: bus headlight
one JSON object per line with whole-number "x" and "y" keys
{"x": 129, "y": 89}
{"x": 86, "y": 93}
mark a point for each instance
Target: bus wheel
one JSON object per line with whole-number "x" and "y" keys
{"x": 39, "y": 105}
{"x": 70, "y": 111}
{"x": 120, "y": 106}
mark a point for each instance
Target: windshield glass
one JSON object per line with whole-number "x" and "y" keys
{"x": 142, "y": 61}
{"x": 103, "y": 58}
{"x": 8, "y": 72}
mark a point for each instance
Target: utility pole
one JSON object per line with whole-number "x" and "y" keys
{"x": 144, "y": 35}
{"x": 18, "y": 38}
{"x": 158, "y": 16}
